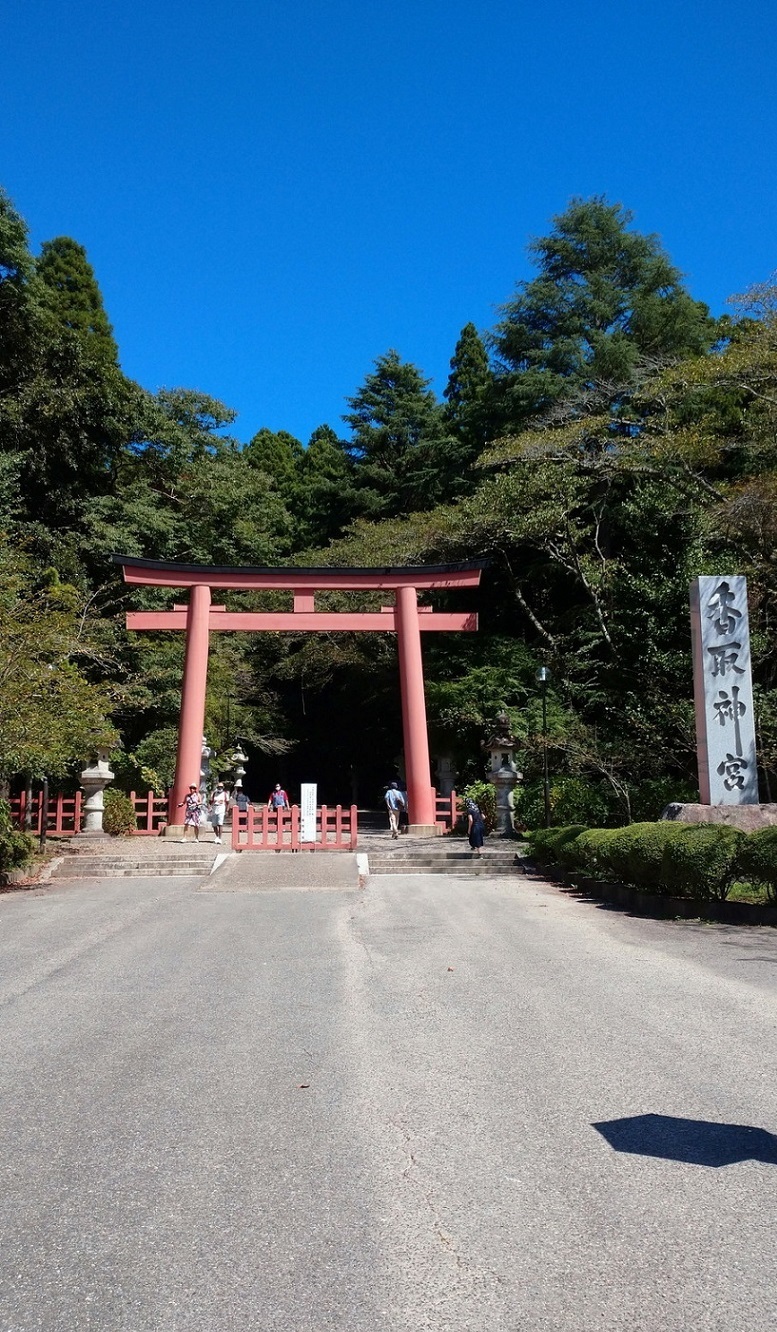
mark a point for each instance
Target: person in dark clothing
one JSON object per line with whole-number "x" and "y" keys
{"x": 476, "y": 827}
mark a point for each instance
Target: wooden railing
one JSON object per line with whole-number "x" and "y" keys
{"x": 263, "y": 829}
{"x": 150, "y": 812}
{"x": 64, "y": 813}
{"x": 447, "y": 810}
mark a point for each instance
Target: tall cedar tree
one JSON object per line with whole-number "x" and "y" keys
{"x": 328, "y": 499}
{"x": 468, "y": 392}
{"x": 73, "y": 295}
{"x": 606, "y": 300}
{"x": 406, "y": 459}
{"x": 17, "y": 305}
{"x": 278, "y": 455}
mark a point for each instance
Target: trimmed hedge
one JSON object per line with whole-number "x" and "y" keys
{"x": 590, "y": 852}
{"x": 702, "y": 862}
{"x": 547, "y": 843}
{"x": 637, "y": 854}
{"x": 757, "y": 860}
{"x": 699, "y": 861}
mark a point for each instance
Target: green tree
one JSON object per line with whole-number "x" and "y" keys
{"x": 405, "y": 457}
{"x": 50, "y": 713}
{"x": 18, "y": 308}
{"x": 278, "y": 456}
{"x": 469, "y": 392}
{"x": 328, "y": 497}
{"x": 66, "y": 413}
{"x": 73, "y": 296}
{"x": 606, "y": 301}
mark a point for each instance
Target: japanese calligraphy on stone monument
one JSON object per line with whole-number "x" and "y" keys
{"x": 723, "y": 691}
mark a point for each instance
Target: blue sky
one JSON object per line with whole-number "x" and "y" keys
{"x": 272, "y": 195}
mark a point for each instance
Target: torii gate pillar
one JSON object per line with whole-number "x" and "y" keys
{"x": 195, "y": 680}
{"x": 422, "y": 813}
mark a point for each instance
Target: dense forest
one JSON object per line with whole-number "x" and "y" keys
{"x": 604, "y": 443}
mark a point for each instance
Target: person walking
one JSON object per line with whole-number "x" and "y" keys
{"x": 192, "y": 804}
{"x": 278, "y": 798}
{"x": 218, "y": 810}
{"x": 396, "y": 801}
{"x": 476, "y": 827}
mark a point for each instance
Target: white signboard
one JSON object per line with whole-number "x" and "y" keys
{"x": 723, "y": 691}
{"x": 308, "y": 800}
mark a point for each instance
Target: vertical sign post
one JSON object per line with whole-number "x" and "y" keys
{"x": 308, "y": 800}
{"x": 723, "y": 691}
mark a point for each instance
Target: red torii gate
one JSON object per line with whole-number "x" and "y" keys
{"x": 405, "y": 618}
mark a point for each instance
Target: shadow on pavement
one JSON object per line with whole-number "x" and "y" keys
{"x": 694, "y": 1141}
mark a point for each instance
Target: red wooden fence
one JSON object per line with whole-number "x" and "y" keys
{"x": 263, "y": 829}
{"x": 447, "y": 810}
{"x": 150, "y": 812}
{"x": 65, "y": 813}
{"x": 64, "y": 817}
{"x": 336, "y": 827}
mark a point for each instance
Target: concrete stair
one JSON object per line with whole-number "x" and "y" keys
{"x": 440, "y": 855}
{"x": 135, "y": 857}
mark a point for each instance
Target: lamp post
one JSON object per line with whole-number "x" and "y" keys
{"x": 543, "y": 675}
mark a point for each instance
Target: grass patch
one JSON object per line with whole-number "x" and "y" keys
{"x": 749, "y": 892}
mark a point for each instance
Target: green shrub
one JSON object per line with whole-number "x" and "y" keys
{"x": 636, "y": 853}
{"x": 484, "y": 796}
{"x": 119, "y": 817}
{"x": 757, "y": 860}
{"x": 592, "y": 851}
{"x": 16, "y": 848}
{"x": 701, "y": 862}
{"x": 547, "y": 843}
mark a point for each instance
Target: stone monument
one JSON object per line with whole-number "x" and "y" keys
{"x": 723, "y": 701}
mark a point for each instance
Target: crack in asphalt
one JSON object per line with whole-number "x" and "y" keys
{"x": 477, "y": 1274}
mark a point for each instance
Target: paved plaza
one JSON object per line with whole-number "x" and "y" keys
{"x": 432, "y": 1104}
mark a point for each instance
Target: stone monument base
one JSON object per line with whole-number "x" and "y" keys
{"x": 747, "y": 817}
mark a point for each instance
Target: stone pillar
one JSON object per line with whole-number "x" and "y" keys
{"x": 723, "y": 691}
{"x": 192, "y": 723}
{"x": 422, "y": 813}
{"x": 94, "y": 779}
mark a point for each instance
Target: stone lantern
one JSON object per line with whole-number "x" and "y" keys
{"x": 238, "y": 761}
{"x": 206, "y": 755}
{"x": 94, "y": 779}
{"x": 503, "y": 773}
{"x": 445, "y": 772}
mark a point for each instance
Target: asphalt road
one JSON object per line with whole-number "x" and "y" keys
{"x": 434, "y": 1104}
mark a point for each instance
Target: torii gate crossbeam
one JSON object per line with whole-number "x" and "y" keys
{"x": 405, "y": 618}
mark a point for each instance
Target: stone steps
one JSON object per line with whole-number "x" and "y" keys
{"x": 92, "y": 867}
{"x": 436, "y": 858}
{"x": 125, "y": 859}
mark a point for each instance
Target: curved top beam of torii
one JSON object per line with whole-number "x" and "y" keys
{"x": 164, "y": 573}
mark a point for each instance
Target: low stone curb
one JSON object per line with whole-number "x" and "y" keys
{"x": 664, "y": 908}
